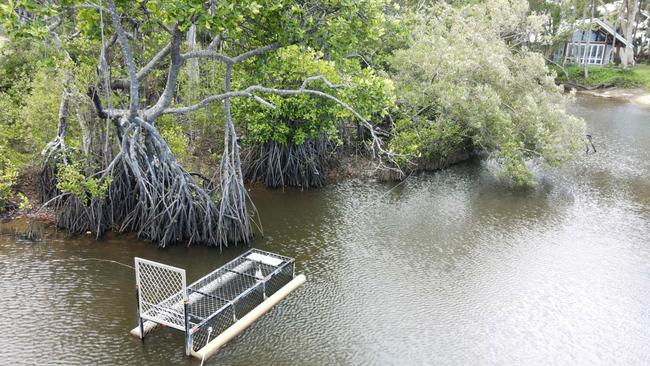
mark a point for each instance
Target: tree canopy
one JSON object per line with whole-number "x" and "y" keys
{"x": 149, "y": 116}
{"x": 464, "y": 84}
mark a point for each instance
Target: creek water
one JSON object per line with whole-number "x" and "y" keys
{"x": 450, "y": 267}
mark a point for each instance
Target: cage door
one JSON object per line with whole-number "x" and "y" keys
{"x": 162, "y": 290}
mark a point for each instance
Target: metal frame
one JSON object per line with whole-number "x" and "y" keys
{"x": 174, "y": 296}
{"x": 236, "y": 287}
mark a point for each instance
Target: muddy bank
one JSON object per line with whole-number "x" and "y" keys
{"x": 34, "y": 211}
{"x": 26, "y": 202}
{"x": 638, "y": 96}
{"x": 344, "y": 167}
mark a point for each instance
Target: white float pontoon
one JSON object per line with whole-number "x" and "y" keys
{"x": 218, "y": 306}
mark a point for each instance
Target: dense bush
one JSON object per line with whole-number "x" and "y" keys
{"x": 29, "y": 97}
{"x": 8, "y": 176}
{"x": 289, "y": 143}
{"x": 465, "y": 83}
{"x": 298, "y": 118}
{"x": 439, "y": 80}
{"x": 72, "y": 180}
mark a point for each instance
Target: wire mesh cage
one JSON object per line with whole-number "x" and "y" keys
{"x": 161, "y": 290}
{"x": 216, "y": 301}
{"x": 239, "y": 286}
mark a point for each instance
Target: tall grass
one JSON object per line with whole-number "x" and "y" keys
{"x": 636, "y": 77}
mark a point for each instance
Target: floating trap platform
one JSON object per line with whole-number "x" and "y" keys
{"x": 218, "y": 306}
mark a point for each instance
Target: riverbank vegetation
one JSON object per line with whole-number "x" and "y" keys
{"x": 610, "y": 76}
{"x": 598, "y": 44}
{"x": 151, "y": 116}
{"x": 458, "y": 95}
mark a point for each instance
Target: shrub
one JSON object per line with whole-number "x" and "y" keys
{"x": 8, "y": 176}
{"x": 462, "y": 84}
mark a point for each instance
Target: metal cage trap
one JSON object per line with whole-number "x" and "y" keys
{"x": 216, "y": 307}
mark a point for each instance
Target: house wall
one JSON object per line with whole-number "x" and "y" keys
{"x": 600, "y": 48}
{"x": 596, "y": 36}
{"x": 608, "y": 54}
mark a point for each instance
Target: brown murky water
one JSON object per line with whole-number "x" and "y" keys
{"x": 447, "y": 268}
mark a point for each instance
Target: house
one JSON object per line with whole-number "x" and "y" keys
{"x": 604, "y": 39}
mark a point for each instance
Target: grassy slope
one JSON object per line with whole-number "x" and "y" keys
{"x": 637, "y": 77}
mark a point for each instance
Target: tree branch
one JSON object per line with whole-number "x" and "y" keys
{"x": 101, "y": 112}
{"x": 376, "y": 147}
{"x": 208, "y": 100}
{"x": 323, "y": 79}
{"x": 110, "y": 43}
{"x": 215, "y": 42}
{"x": 211, "y": 53}
{"x": 208, "y": 53}
{"x": 97, "y": 102}
{"x": 128, "y": 58}
{"x": 174, "y": 69}
{"x": 146, "y": 69}
{"x": 255, "y": 52}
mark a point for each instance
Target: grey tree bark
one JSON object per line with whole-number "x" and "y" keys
{"x": 588, "y": 46}
{"x": 573, "y": 31}
{"x": 629, "y": 11}
{"x": 149, "y": 192}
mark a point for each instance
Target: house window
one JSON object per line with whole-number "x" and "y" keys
{"x": 593, "y": 55}
{"x": 596, "y": 54}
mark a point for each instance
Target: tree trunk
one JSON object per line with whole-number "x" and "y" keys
{"x": 234, "y": 222}
{"x": 588, "y": 46}
{"x": 573, "y": 32}
{"x": 582, "y": 36}
{"x": 630, "y": 10}
{"x": 192, "y": 64}
{"x": 193, "y": 75}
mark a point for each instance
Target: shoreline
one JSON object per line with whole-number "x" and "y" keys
{"x": 638, "y": 96}
{"x": 348, "y": 167}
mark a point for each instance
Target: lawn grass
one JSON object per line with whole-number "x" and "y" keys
{"x": 636, "y": 77}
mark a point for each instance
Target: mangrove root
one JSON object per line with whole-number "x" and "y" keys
{"x": 279, "y": 165}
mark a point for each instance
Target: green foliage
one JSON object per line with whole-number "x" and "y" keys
{"x": 8, "y": 176}
{"x": 70, "y": 179}
{"x": 203, "y": 128}
{"x": 296, "y": 119}
{"x": 11, "y": 128}
{"x": 14, "y": 12}
{"x": 463, "y": 82}
{"x": 636, "y": 77}
{"x": 24, "y": 202}
{"x": 30, "y": 91}
{"x": 18, "y": 61}
{"x": 464, "y": 87}
{"x": 175, "y": 136}
{"x": 370, "y": 93}
{"x": 421, "y": 139}
{"x": 40, "y": 111}
{"x": 336, "y": 25}
{"x": 340, "y": 29}
{"x": 29, "y": 120}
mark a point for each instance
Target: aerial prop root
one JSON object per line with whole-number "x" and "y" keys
{"x": 150, "y": 193}
{"x": 296, "y": 165}
{"x": 169, "y": 205}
